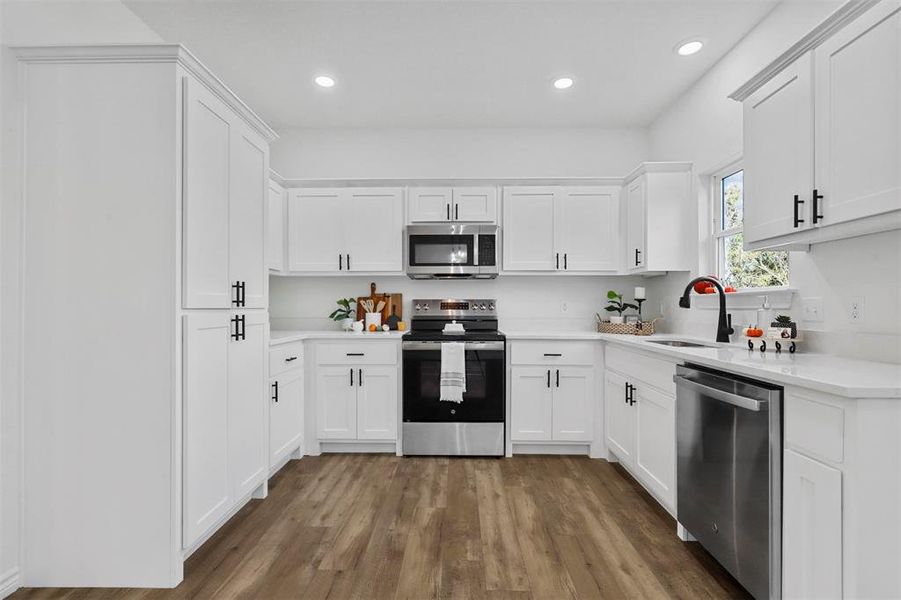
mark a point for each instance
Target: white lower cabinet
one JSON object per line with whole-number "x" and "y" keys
{"x": 356, "y": 390}
{"x": 554, "y": 400}
{"x": 225, "y": 415}
{"x": 811, "y": 528}
{"x": 640, "y": 420}
{"x": 286, "y": 405}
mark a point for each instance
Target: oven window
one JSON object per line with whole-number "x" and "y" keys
{"x": 441, "y": 250}
{"x": 483, "y": 400}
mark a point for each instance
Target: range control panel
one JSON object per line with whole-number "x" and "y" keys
{"x": 454, "y": 308}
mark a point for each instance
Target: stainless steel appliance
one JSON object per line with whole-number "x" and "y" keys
{"x": 729, "y": 472}
{"x": 474, "y": 427}
{"x": 452, "y": 251}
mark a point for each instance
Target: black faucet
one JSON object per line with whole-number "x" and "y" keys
{"x": 724, "y": 327}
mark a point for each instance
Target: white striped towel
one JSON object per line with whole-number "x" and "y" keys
{"x": 453, "y": 371}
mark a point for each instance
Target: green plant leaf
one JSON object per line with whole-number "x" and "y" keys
{"x": 612, "y": 295}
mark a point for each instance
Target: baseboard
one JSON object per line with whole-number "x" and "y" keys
{"x": 358, "y": 447}
{"x": 9, "y": 582}
{"x": 555, "y": 448}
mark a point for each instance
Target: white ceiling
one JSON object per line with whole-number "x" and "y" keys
{"x": 454, "y": 63}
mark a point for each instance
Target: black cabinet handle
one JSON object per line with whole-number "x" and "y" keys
{"x": 552, "y": 354}
{"x": 558, "y": 377}
{"x": 448, "y": 210}
{"x": 348, "y": 262}
{"x": 565, "y": 267}
{"x": 626, "y": 393}
{"x": 239, "y": 296}
{"x": 340, "y": 262}
{"x": 558, "y": 261}
{"x": 351, "y": 377}
{"x": 798, "y": 219}
{"x": 630, "y": 394}
{"x": 356, "y": 354}
{"x": 291, "y": 359}
{"x": 275, "y": 391}
{"x": 360, "y": 377}
{"x": 637, "y": 257}
{"x": 816, "y": 206}
{"x": 240, "y": 332}
{"x": 548, "y": 378}
{"x": 456, "y": 212}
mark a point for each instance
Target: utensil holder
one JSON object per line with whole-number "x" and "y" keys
{"x": 373, "y": 318}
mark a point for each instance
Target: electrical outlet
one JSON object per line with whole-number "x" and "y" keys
{"x": 564, "y": 306}
{"x": 855, "y": 309}
{"x": 812, "y": 309}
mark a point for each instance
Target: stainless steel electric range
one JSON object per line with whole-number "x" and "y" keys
{"x": 474, "y": 427}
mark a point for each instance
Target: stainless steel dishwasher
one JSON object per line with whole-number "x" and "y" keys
{"x": 729, "y": 473}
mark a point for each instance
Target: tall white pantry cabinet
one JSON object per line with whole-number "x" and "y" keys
{"x": 145, "y": 187}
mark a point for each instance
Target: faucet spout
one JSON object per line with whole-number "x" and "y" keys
{"x": 724, "y": 325}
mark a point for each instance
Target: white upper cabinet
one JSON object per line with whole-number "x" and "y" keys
{"x": 658, "y": 210}
{"x": 778, "y": 154}
{"x": 452, "y": 204}
{"x": 822, "y": 133}
{"x": 275, "y": 241}
{"x": 249, "y": 186}
{"x": 316, "y": 225}
{"x": 208, "y": 135}
{"x": 374, "y": 230}
{"x": 226, "y": 180}
{"x": 858, "y": 118}
{"x": 561, "y": 228}
{"x": 337, "y": 230}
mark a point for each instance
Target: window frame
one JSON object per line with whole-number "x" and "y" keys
{"x": 720, "y": 234}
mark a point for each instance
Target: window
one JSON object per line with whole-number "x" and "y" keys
{"x": 736, "y": 266}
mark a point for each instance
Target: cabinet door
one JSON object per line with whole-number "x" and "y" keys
{"x": 206, "y": 199}
{"x": 275, "y": 241}
{"x": 248, "y": 407}
{"x": 377, "y": 396}
{"x": 587, "y": 228}
{"x": 430, "y": 205}
{"x": 248, "y": 195}
{"x": 636, "y": 224}
{"x": 858, "y": 117}
{"x": 285, "y": 414}
{"x": 620, "y": 418}
{"x": 529, "y": 229}
{"x": 475, "y": 204}
{"x": 811, "y": 528}
{"x": 207, "y": 493}
{"x": 316, "y": 222}
{"x": 655, "y": 447}
{"x": 574, "y": 400}
{"x": 375, "y": 230}
{"x": 531, "y": 404}
{"x": 336, "y": 402}
{"x": 778, "y": 153}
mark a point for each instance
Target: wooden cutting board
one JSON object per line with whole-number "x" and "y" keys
{"x": 391, "y": 301}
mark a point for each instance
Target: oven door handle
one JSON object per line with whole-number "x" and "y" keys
{"x": 436, "y": 346}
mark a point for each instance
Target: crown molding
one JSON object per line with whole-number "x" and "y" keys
{"x": 658, "y": 167}
{"x": 147, "y": 53}
{"x": 834, "y": 22}
{"x": 449, "y": 182}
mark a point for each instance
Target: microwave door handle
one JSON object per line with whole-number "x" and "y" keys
{"x": 475, "y": 252}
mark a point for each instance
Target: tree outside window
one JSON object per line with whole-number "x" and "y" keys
{"x": 738, "y": 267}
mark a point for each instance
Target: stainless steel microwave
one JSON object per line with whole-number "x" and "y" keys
{"x": 452, "y": 251}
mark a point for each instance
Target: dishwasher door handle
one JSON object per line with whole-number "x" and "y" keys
{"x": 734, "y": 399}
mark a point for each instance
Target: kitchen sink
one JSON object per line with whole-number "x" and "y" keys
{"x": 681, "y": 344}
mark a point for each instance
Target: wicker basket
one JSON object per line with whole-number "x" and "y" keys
{"x": 643, "y": 328}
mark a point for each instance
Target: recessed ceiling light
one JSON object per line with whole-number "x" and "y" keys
{"x": 689, "y": 47}
{"x": 563, "y": 83}
{"x": 324, "y": 81}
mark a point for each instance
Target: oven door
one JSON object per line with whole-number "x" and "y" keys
{"x": 484, "y": 398}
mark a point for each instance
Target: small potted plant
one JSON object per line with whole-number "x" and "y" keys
{"x": 616, "y": 305}
{"x": 344, "y": 314}
{"x": 785, "y": 323}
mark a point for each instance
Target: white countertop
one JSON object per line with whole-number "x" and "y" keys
{"x": 284, "y": 337}
{"x": 822, "y": 372}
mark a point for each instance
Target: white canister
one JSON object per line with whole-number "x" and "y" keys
{"x": 357, "y": 326}
{"x": 373, "y": 318}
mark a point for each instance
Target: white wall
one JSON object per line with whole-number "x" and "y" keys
{"x": 704, "y": 126}
{"x": 32, "y": 23}
{"x": 457, "y": 153}
{"x": 524, "y": 303}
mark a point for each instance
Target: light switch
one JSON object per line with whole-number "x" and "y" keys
{"x": 812, "y": 309}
